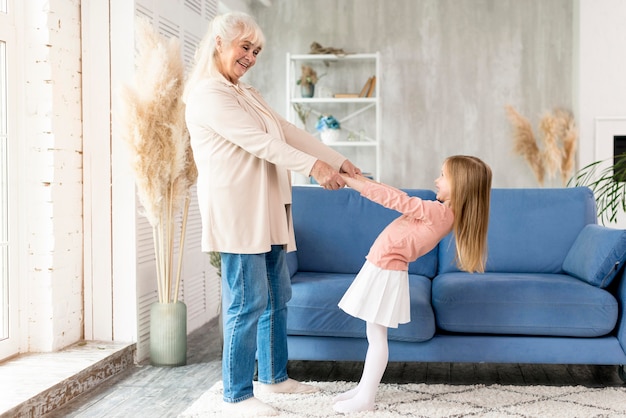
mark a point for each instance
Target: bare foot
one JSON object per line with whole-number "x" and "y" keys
{"x": 251, "y": 407}
{"x": 288, "y": 386}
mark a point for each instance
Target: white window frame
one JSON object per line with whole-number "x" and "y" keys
{"x": 11, "y": 345}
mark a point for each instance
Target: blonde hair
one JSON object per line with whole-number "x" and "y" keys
{"x": 470, "y": 187}
{"x": 229, "y": 27}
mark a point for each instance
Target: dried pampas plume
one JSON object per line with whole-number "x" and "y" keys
{"x": 568, "y": 132}
{"x": 558, "y": 150}
{"x": 153, "y": 127}
{"x": 524, "y": 142}
{"x": 551, "y": 154}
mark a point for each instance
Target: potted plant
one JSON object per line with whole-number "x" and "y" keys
{"x": 328, "y": 127}
{"x": 307, "y": 81}
{"x": 152, "y": 117}
{"x": 607, "y": 180}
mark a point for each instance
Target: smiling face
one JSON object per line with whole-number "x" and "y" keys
{"x": 442, "y": 183}
{"x": 237, "y": 58}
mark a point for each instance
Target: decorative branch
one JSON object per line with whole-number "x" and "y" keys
{"x": 152, "y": 115}
{"x": 551, "y": 153}
{"x": 559, "y": 141}
{"x": 525, "y": 143}
{"x": 302, "y": 112}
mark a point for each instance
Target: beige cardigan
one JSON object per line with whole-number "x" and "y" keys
{"x": 244, "y": 152}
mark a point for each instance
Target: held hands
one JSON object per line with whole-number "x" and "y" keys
{"x": 349, "y": 168}
{"x": 357, "y": 182}
{"x": 331, "y": 179}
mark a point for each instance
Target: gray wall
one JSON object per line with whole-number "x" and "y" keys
{"x": 448, "y": 69}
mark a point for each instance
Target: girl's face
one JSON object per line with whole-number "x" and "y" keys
{"x": 442, "y": 183}
{"x": 237, "y": 58}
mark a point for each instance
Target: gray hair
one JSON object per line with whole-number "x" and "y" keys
{"x": 229, "y": 27}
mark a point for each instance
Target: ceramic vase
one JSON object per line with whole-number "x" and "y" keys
{"x": 307, "y": 90}
{"x": 168, "y": 334}
{"x": 329, "y": 135}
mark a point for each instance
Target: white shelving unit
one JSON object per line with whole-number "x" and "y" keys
{"x": 359, "y": 117}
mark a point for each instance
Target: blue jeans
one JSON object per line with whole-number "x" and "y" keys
{"x": 255, "y": 289}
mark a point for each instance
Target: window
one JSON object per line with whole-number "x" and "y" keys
{"x": 8, "y": 254}
{"x": 4, "y": 199}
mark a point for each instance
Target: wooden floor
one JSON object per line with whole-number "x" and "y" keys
{"x": 146, "y": 391}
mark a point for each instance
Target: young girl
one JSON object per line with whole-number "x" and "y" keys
{"x": 380, "y": 292}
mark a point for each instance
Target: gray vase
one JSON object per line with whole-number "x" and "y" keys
{"x": 168, "y": 334}
{"x": 307, "y": 90}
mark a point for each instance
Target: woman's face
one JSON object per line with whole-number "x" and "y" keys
{"x": 237, "y": 58}
{"x": 442, "y": 183}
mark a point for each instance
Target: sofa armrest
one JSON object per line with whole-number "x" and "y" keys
{"x": 292, "y": 263}
{"x": 621, "y": 300}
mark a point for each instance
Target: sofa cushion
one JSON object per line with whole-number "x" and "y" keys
{"x": 528, "y": 304}
{"x": 596, "y": 255}
{"x": 335, "y": 229}
{"x": 313, "y": 308}
{"x": 530, "y": 230}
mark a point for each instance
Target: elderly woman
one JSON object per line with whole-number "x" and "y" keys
{"x": 244, "y": 152}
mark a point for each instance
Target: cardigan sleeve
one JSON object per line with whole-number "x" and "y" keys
{"x": 217, "y": 107}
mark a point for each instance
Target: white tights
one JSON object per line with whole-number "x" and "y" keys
{"x": 362, "y": 397}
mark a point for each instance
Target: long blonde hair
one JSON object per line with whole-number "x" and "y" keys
{"x": 470, "y": 187}
{"x": 229, "y": 27}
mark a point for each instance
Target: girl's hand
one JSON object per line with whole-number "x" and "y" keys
{"x": 357, "y": 182}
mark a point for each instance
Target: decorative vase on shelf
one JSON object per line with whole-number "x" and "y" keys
{"x": 328, "y": 127}
{"x": 168, "y": 334}
{"x": 329, "y": 135}
{"x": 307, "y": 90}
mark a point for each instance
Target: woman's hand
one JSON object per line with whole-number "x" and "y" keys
{"x": 326, "y": 176}
{"x": 350, "y": 169}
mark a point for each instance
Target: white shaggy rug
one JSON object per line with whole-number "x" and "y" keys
{"x": 423, "y": 400}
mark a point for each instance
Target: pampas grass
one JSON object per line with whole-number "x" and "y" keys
{"x": 524, "y": 142}
{"x": 152, "y": 113}
{"x": 558, "y": 149}
{"x": 569, "y": 138}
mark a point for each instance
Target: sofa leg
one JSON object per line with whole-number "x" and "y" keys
{"x": 621, "y": 372}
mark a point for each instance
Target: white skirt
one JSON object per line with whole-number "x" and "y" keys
{"x": 379, "y": 296}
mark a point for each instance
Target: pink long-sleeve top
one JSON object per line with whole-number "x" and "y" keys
{"x": 418, "y": 230}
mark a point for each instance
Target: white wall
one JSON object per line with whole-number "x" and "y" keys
{"x": 601, "y": 79}
{"x": 448, "y": 69}
{"x": 52, "y": 286}
{"x": 601, "y": 62}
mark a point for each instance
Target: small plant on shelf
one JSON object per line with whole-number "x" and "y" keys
{"x": 325, "y": 122}
{"x": 328, "y": 128}
{"x": 308, "y": 77}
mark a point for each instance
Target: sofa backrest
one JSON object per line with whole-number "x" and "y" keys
{"x": 530, "y": 230}
{"x": 335, "y": 229}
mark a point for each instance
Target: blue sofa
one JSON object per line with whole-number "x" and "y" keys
{"x": 553, "y": 290}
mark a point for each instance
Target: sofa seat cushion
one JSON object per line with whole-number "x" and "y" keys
{"x": 523, "y": 304}
{"x": 313, "y": 308}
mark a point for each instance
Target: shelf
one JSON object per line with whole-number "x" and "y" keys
{"x": 352, "y": 144}
{"x": 332, "y": 57}
{"x": 334, "y": 100}
{"x": 360, "y": 117}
